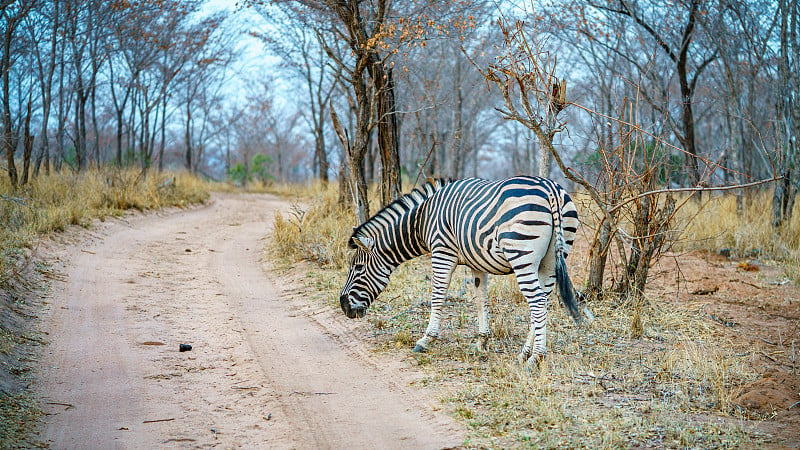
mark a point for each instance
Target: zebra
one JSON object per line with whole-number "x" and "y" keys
{"x": 523, "y": 225}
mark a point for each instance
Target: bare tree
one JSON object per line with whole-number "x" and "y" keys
{"x": 44, "y": 29}
{"x": 450, "y": 109}
{"x": 788, "y": 113}
{"x": 362, "y": 27}
{"x": 741, "y": 33}
{"x": 12, "y": 13}
{"x": 300, "y": 51}
{"x": 635, "y": 209}
{"x": 359, "y": 38}
{"x": 674, "y": 35}
{"x": 202, "y": 80}
{"x": 83, "y": 33}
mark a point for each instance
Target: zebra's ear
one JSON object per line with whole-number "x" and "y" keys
{"x": 364, "y": 243}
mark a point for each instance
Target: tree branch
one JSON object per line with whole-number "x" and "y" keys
{"x": 694, "y": 190}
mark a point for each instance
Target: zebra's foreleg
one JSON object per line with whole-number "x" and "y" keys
{"x": 481, "y": 299}
{"x": 443, "y": 266}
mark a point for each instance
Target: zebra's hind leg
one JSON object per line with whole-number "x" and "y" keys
{"x": 481, "y": 299}
{"x": 443, "y": 265}
{"x": 535, "y": 348}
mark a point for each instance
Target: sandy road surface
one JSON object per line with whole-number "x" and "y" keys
{"x": 265, "y": 371}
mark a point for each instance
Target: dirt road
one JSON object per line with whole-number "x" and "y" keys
{"x": 265, "y": 371}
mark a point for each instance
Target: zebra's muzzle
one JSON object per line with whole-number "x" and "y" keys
{"x": 350, "y": 312}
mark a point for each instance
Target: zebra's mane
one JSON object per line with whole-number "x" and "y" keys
{"x": 400, "y": 206}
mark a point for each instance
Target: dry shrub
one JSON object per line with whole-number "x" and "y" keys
{"x": 285, "y": 237}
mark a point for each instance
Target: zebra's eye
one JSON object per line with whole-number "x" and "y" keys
{"x": 358, "y": 267}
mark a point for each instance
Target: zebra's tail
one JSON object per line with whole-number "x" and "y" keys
{"x": 567, "y": 293}
{"x": 565, "y": 288}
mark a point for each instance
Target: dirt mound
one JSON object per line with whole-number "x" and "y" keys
{"x": 776, "y": 392}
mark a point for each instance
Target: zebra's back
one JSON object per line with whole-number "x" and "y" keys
{"x": 485, "y": 222}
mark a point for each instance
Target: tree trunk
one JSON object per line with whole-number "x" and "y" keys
{"x": 598, "y": 255}
{"x": 788, "y": 116}
{"x": 687, "y": 118}
{"x": 80, "y": 122}
{"x": 355, "y": 152}
{"x": 344, "y": 196}
{"x": 456, "y": 148}
{"x": 95, "y": 128}
{"x": 544, "y": 162}
{"x": 687, "y": 94}
{"x": 8, "y": 134}
{"x": 27, "y": 145}
{"x": 783, "y": 198}
{"x": 388, "y": 136}
{"x": 320, "y": 155}
{"x": 46, "y": 85}
{"x": 358, "y": 186}
{"x": 163, "y": 133}
{"x": 318, "y": 118}
{"x": 188, "y": 136}
{"x": 62, "y": 111}
{"x": 119, "y": 136}
{"x": 144, "y": 138}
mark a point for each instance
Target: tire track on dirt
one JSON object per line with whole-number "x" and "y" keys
{"x": 261, "y": 373}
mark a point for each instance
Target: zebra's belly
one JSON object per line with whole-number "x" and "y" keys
{"x": 492, "y": 261}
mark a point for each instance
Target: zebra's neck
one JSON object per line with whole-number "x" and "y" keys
{"x": 397, "y": 228}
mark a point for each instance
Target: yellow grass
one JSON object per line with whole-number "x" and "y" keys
{"x": 316, "y": 230}
{"x": 51, "y": 203}
{"x": 714, "y": 223}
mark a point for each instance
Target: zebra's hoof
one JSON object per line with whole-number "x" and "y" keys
{"x": 483, "y": 342}
{"x": 536, "y": 361}
{"x": 481, "y": 346}
{"x": 420, "y": 349}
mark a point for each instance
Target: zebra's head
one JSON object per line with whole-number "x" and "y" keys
{"x": 368, "y": 275}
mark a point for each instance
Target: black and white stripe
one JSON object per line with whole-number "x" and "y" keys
{"x": 522, "y": 225}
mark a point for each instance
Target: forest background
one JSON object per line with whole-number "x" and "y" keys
{"x": 247, "y": 91}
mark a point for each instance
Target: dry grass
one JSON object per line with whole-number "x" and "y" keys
{"x": 715, "y": 224}
{"x": 655, "y": 374}
{"x": 50, "y": 203}
{"x": 599, "y": 387}
{"x": 18, "y": 414}
{"x": 316, "y": 230}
